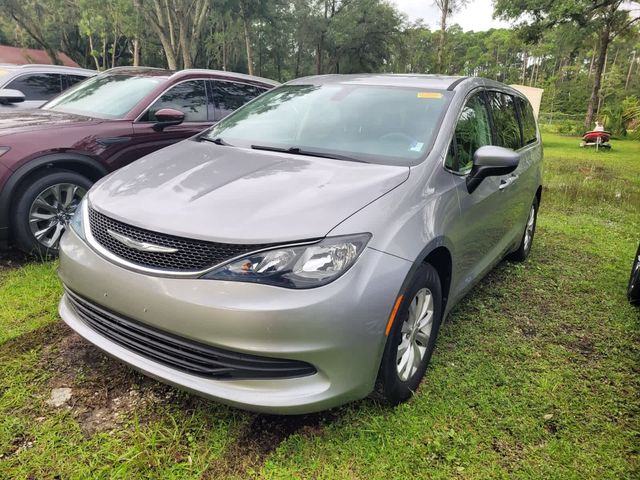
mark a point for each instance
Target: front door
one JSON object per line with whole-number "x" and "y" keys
{"x": 480, "y": 233}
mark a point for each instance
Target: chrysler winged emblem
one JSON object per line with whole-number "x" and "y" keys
{"x": 140, "y": 246}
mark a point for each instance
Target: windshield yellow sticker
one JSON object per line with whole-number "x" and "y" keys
{"x": 3, "y": 72}
{"x": 429, "y": 95}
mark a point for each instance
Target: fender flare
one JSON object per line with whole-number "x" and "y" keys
{"x": 46, "y": 161}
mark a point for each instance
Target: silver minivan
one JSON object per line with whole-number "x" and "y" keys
{"x": 307, "y": 248}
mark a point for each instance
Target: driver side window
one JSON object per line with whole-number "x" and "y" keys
{"x": 188, "y": 97}
{"x": 472, "y": 132}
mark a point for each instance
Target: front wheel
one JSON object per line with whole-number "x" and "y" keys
{"x": 412, "y": 338}
{"x": 43, "y": 209}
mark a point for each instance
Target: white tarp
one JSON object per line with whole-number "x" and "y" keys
{"x": 533, "y": 94}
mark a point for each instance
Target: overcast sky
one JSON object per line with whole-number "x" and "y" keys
{"x": 477, "y": 15}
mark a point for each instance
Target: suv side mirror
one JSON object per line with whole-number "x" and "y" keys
{"x": 166, "y": 117}
{"x": 8, "y": 96}
{"x": 489, "y": 161}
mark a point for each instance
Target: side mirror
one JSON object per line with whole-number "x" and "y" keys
{"x": 490, "y": 161}
{"x": 8, "y": 96}
{"x": 166, "y": 117}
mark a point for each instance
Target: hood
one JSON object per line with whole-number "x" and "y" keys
{"x": 21, "y": 121}
{"x": 236, "y": 195}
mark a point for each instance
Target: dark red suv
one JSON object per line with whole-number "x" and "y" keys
{"x": 50, "y": 157}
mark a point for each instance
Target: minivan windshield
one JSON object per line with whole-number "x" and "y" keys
{"x": 370, "y": 123}
{"x": 105, "y": 96}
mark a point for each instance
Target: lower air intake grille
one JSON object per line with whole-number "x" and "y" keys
{"x": 181, "y": 353}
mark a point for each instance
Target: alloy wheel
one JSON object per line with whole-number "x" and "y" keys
{"x": 415, "y": 334}
{"x": 51, "y": 212}
{"x": 528, "y": 233}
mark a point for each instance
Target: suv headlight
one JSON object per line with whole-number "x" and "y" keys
{"x": 304, "y": 266}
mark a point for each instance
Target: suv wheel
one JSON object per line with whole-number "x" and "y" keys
{"x": 412, "y": 337}
{"x": 43, "y": 209}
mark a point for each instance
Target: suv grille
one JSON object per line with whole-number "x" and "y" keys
{"x": 181, "y": 353}
{"x": 191, "y": 256}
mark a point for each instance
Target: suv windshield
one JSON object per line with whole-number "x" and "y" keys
{"x": 379, "y": 124}
{"x": 105, "y": 96}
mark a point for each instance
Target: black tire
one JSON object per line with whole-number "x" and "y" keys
{"x": 394, "y": 389}
{"x": 524, "y": 249}
{"x": 22, "y": 236}
{"x": 633, "y": 290}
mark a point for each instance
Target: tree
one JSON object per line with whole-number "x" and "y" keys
{"x": 29, "y": 14}
{"x": 178, "y": 24}
{"x": 608, "y": 17}
{"x": 447, "y": 8}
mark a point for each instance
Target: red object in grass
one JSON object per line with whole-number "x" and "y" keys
{"x": 592, "y": 137}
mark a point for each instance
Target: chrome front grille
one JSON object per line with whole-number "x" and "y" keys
{"x": 190, "y": 255}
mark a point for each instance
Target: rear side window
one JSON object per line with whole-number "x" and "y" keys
{"x": 229, "y": 96}
{"x": 42, "y": 86}
{"x": 189, "y": 98}
{"x": 505, "y": 120}
{"x": 472, "y": 132}
{"x": 73, "y": 79}
{"x": 528, "y": 121}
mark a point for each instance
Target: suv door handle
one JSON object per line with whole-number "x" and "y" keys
{"x": 505, "y": 183}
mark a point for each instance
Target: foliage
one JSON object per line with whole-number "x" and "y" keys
{"x": 555, "y": 47}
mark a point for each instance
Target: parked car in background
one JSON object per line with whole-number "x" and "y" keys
{"x": 309, "y": 244}
{"x": 30, "y": 86}
{"x": 51, "y": 156}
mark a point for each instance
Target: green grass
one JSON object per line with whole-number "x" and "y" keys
{"x": 535, "y": 373}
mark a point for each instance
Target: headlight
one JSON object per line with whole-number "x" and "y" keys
{"x": 296, "y": 267}
{"x": 77, "y": 221}
{"x": 4, "y": 150}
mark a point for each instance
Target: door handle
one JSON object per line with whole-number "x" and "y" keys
{"x": 505, "y": 183}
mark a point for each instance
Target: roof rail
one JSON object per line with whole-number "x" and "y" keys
{"x": 456, "y": 83}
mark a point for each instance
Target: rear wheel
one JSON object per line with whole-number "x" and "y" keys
{"x": 43, "y": 209}
{"x": 412, "y": 337}
{"x": 524, "y": 248}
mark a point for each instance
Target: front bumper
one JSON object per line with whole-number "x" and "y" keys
{"x": 338, "y": 328}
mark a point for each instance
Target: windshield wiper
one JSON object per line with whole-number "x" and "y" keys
{"x": 217, "y": 141}
{"x": 310, "y": 153}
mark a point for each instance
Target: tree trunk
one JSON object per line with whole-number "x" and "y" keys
{"x": 299, "y": 53}
{"x": 224, "y": 46}
{"x": 157, "y": 21}
{"x": 136, "y": 51}
{"x": 633, "y": 60}
{"x": 247, "y": 38}
{"x": 605, "y": 38}
{"x": 114, "y": 47}
{"x": 51, "y": 53}
{"x": 593, "y": 57}
{"x": 95, "y": 57}
{"x": 443, "y": 33}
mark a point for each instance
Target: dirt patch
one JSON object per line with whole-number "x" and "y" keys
{"x": 262, "y": 436}
{"x": 11, "y": 258}
{"x": 45, "y": 336}
{"x": 581, "y": 344}
{"x": 104, "y": 391}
